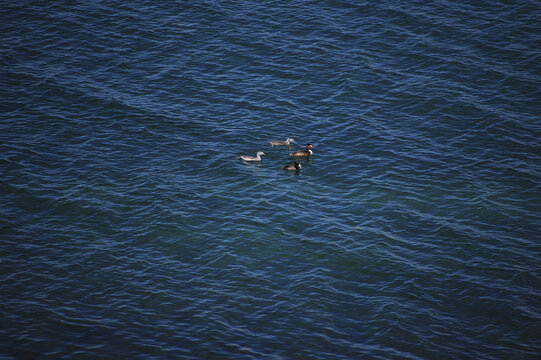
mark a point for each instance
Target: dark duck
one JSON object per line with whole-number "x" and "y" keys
{"x": 306, "y": 152}
{"x": 293, "y": 167}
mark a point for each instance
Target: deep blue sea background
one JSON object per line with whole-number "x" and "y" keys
{"x": 130, "y": 229}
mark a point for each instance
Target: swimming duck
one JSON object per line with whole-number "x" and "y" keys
{"x": 279, "y": 142}
{"x": 253, "y": 158}
{"x": 294, "y": 167}
{"x": 306, "y": 152}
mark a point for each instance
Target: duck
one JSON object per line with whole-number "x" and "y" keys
{"x": 306, "y": 152}
{"x": 253, "y": 158}
{"x": 281, "y": 143}
{"x": 293, "y": 167}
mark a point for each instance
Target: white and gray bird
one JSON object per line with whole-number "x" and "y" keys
{"x": 280, "y": 143}
{"x": 253, "y": 158}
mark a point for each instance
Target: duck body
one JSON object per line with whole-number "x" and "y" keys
{"x": 307, "y": 152}
{"x": 282, "y": 143}
{"x": 293, "y": 167}
{"x": 253, "y": 158}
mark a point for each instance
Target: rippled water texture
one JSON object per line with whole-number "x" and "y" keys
{"x": 130, "y": 229}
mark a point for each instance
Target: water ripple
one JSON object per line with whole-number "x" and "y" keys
{"x": 131, "y": 228}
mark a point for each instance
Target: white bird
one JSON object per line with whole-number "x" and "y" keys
{"x": 253, "y": 158}
{"x": 279, "y": 142}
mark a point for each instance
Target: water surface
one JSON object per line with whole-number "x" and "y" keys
{"x": 129, "y": 228}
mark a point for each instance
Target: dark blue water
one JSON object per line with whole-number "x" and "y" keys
{"x": 130, "y": 229}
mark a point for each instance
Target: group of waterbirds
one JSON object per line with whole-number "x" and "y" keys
{"x": 295, "y": 166}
